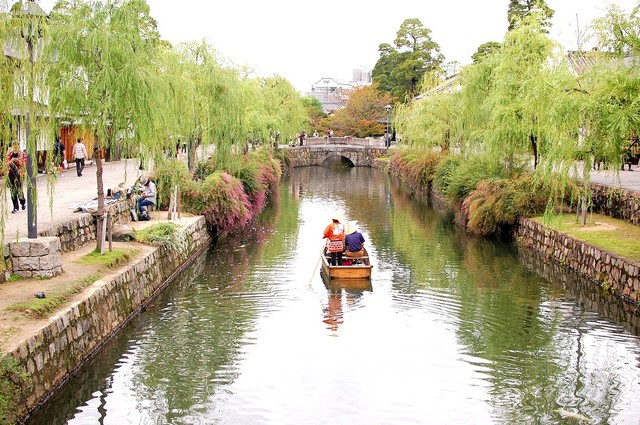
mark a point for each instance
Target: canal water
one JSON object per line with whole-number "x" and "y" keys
{"x": 451, "y": 330}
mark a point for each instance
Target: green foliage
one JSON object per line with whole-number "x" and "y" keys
{"x": 618, "y": 32}
{"x": 275, "y": 111}
{"x": 315, "y": 111}
{"x": 463, "y": 178}
{"x": 521, "y": 10}
{"x": 110, "y": 259}
{"x": 399, "y": 70}
{"x": 363, "y": 114}
{"x": 39, "y": 307}
{"x": 416, "y": 166}
{"x": 444, "y": 172}
{"x": 603, "y": 231}
{"x": 14, "y": 380}
{"x": 486, "y": 49}
{"x": 495, "y": 205}
{"x": 161, "y": 234}
{"x": 170, "y": 174}
{"x": 43, "y": 307}
{"x": 101, "y": 58}
{"x": 431, "y": 122}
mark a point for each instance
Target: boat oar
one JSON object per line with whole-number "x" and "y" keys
{"x": 318, "y": 262}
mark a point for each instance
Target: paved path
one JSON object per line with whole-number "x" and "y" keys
{"x": 626, "y": 179}
{"x": 69, "y": 189}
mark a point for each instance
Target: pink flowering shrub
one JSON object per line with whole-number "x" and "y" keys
{"x": 260, "y": 174}
{"x": 223, "y": 202}
{"x": 228, "y": 200}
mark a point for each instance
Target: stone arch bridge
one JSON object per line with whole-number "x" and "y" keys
{"x": 318, "y": 150}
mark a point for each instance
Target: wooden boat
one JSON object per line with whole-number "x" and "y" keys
{"x": 359, "y": 270}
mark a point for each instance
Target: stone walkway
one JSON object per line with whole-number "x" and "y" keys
{"x": 68, "y": 190}
{"x": 626, "y": 179}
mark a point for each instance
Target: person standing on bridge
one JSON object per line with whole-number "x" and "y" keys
{"x": 303, "y": 137}
{"x": 334, "y": 233}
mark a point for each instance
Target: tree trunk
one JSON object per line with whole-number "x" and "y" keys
{"x": 100, "y": 212}
{"x": 534, "y": 146}
{"x": 191, "y": 158}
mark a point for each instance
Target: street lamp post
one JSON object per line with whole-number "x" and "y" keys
{"x": 31, "y": 17}
{"x": 387, "y": 139}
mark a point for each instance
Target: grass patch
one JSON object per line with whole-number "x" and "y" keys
{"x": 110, "y": 259}
{"x": 608, "y": 233}
{"x": 161, "y": 234}
{"x": 6, "y": 333}
{"x": 15, "y": 278}
{"x": 42, "y": 307}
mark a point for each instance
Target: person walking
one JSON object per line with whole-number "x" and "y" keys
{"x": 16, "y": 164}
{"x": 79, "y": 153}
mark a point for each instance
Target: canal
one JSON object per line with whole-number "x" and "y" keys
{"x": 451, "y": 330}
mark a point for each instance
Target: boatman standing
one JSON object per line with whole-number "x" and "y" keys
{"x": 334, "y": 233}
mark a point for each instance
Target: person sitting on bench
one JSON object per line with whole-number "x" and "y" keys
{"x": 148, "y": 195}
{"x": 354, "y": 241}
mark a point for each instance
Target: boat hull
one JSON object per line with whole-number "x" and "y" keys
{"x": 356, "y": 271}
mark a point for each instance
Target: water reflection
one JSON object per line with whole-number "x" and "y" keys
{"x": 450, "y": 329}
{"x": 351, "y": 290}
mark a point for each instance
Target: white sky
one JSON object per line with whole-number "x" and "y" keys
{"x": 305, "y": 41}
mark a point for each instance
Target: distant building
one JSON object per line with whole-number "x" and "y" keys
{"x": 362, "y": 76}
{"x": 333, "y": 92}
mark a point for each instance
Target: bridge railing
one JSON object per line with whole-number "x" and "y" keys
{"x": 348, "y": 141}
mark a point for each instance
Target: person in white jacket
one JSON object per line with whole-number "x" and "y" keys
{"x": 79, "y": 153}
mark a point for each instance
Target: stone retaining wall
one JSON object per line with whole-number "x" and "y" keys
{"x": 76, "y": 335}
{"x": 582, "y": 288}
{"x": 614, "y": 273}
{"x": 80, "y": 231}
{"x": 615, "y": 202}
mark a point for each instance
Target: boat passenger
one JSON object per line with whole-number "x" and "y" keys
{"x": 334, "y": 233}
{"x": 354, "y": 241}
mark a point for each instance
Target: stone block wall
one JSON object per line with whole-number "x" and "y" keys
{"x": 614, "y": 273}
{"x": 615, "y": 202}
{"x": 75, "y": 335}
{"x": 582, "y": 288}
{"x": 38, "y": 257}
{"x": 315, "y": 155}
{"x": 80, "y": 231}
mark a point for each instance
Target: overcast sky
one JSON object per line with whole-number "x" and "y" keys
{"x": 305, "y": 41}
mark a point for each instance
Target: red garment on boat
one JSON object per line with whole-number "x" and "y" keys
{"x": 335, "y": 232}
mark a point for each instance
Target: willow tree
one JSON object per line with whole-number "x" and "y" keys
{"x": 520, "y": 95}
{"x": 276, "y": 110}
{"x": 432, "y": 121}
{"x": 215, "y": 114}
{"x": 103, "y": 76}
{"x": 23, "y": 28}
